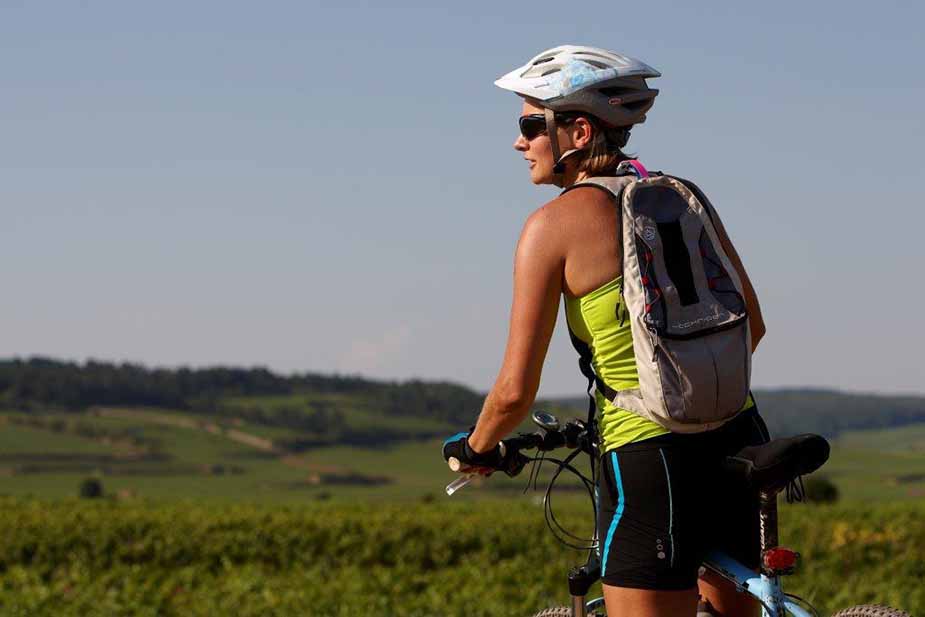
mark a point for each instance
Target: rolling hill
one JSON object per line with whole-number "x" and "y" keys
{"x": 248, "y": 434}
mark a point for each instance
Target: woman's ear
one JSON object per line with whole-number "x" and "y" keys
{"x": 582, "y": 133}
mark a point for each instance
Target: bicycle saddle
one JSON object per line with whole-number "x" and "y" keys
{"x": 771, "y": 466}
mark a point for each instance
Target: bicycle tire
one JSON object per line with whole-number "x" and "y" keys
{"x": 555, "y": 611}
{"x": 562, "y": 611}
{"x": 871, "y": 610}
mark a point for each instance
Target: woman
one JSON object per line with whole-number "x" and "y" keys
{"x": 663, "y": 499}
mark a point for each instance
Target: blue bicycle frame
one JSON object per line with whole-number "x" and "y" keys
{"x": 765, "y": 589}
{"x": 764, "y": 586}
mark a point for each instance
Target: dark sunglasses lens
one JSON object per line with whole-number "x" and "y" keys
{"x": 531, "y": 126}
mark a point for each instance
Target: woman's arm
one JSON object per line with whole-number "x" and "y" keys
{"x": 538, "y": 268}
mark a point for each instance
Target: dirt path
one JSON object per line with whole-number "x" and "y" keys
{"x": 260, "y": 443}
{"x": 298, "y": 462}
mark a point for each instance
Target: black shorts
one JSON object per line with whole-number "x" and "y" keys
{"x": 665, "y": 501}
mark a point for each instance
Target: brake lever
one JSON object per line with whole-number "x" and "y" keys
{"x": 459, "y": 482}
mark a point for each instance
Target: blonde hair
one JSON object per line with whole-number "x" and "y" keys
{"x": 605, "y": 150}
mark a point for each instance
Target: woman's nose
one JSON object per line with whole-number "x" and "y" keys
{"x": 521, "y": 144}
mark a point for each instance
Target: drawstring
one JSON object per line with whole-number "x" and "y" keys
{"x": 621, "y": 303}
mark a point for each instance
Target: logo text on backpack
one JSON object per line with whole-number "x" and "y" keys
{"x": 649, "y": 233}
{"x": 684, "y": 325}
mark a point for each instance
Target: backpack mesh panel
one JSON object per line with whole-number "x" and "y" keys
{"x": 655, "y": 300}
{"x": 720, "y": 283}
{"x": 662, "y": 204}
{"x": 678, "y": 262}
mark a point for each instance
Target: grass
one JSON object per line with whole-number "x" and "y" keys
{"x": 80, "y": 558}
{"x": 883, "y": 465}
{"x": 359, "y": 413}
{"x": 879, "y": 465}
{"x": 26, "y": 440}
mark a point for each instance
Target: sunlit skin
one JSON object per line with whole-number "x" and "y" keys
{"x": 538, "y": 151}
{"x": 569, "y": 246}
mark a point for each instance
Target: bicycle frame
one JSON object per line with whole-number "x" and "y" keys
{"x": 766, "y": 589}
{"x": 764, "y": 586}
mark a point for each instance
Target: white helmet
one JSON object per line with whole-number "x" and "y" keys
{"x": 605, "y": 85}
{"x": 601, "y": 83}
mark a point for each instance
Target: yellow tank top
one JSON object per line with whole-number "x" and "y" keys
{"x": 599, "y": 320}
{"x": 593, "y": 320}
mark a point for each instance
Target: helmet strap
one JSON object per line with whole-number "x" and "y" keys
{"x": 558, "y": 166}
{"x": 559, "y": 157}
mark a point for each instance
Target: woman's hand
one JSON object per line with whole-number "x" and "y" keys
{"x": 462, "y": 459}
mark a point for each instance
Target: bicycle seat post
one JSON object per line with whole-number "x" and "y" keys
{"x": 580, "y": 580}
{"x": 767, "y": 518}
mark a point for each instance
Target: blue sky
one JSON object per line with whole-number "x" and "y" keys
{"x": 331, "y": 186}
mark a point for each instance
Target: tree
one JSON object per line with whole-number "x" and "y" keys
{"x": 819, "y": 489}
{"x": 91, "y": 488}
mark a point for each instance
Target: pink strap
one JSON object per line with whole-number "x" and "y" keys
{"x": 640, "y": 170}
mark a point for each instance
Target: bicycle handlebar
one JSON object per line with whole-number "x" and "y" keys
{"x": 573, "y": 435}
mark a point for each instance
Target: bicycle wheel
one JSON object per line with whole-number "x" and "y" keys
{"x": 562, "y": 611}
{"x": 871, "y": 610}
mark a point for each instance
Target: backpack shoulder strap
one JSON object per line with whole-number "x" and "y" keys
{"x": 693, "y": 188}
{"x": 634, "y": 167}
{"x": 612, "y": 184}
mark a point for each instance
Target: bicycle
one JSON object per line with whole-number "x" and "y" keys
{"x": 769, "y": 468}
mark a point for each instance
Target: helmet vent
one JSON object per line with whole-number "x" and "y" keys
{"x": 544, "y": 60}
{"x": 594, "y": 54}
{"x": 637, "y": 105}
{"x": 617, "y": 90}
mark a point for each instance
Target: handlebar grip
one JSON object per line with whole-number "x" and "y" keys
{"x": 524, "y": 441}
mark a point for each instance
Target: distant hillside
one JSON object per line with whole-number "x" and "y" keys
{"x": 39, "y": 384}
{"x": 323, "y": 405}
{"x": 827, "y": 412}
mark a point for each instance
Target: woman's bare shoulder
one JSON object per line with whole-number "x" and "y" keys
{"x": 573, "y": 204}
{"x": 579, "y": 208}
{"x": 588, "y": 196}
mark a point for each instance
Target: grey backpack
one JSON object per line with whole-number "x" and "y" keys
{"x": 685, "y": 302}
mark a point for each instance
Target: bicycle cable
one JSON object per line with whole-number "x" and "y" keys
{"x": 803, "y": 603}
{"x": 563, "y": 535}
{"x": 795, "y": 490}
{"x": 535, "y": 471}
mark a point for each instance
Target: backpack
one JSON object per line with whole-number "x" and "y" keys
{"x": 685, "y": 304}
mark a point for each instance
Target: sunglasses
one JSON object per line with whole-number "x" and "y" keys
{"x": 534, "y": 125}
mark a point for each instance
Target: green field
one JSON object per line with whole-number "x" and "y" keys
{"x": 207, "y": 515}
{"x": 161, "y": 454}
{"x": 880, "y": 465}
{"x": 359, "y": 411}
{"x": 80, "y": 558}
{"x": 199, "y": 457}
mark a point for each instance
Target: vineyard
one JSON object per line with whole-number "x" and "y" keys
{"x": 493, "y": 557}
{"x": 229, "y": 492}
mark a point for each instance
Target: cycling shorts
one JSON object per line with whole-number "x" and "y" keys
{"x": 665, "y": 501}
